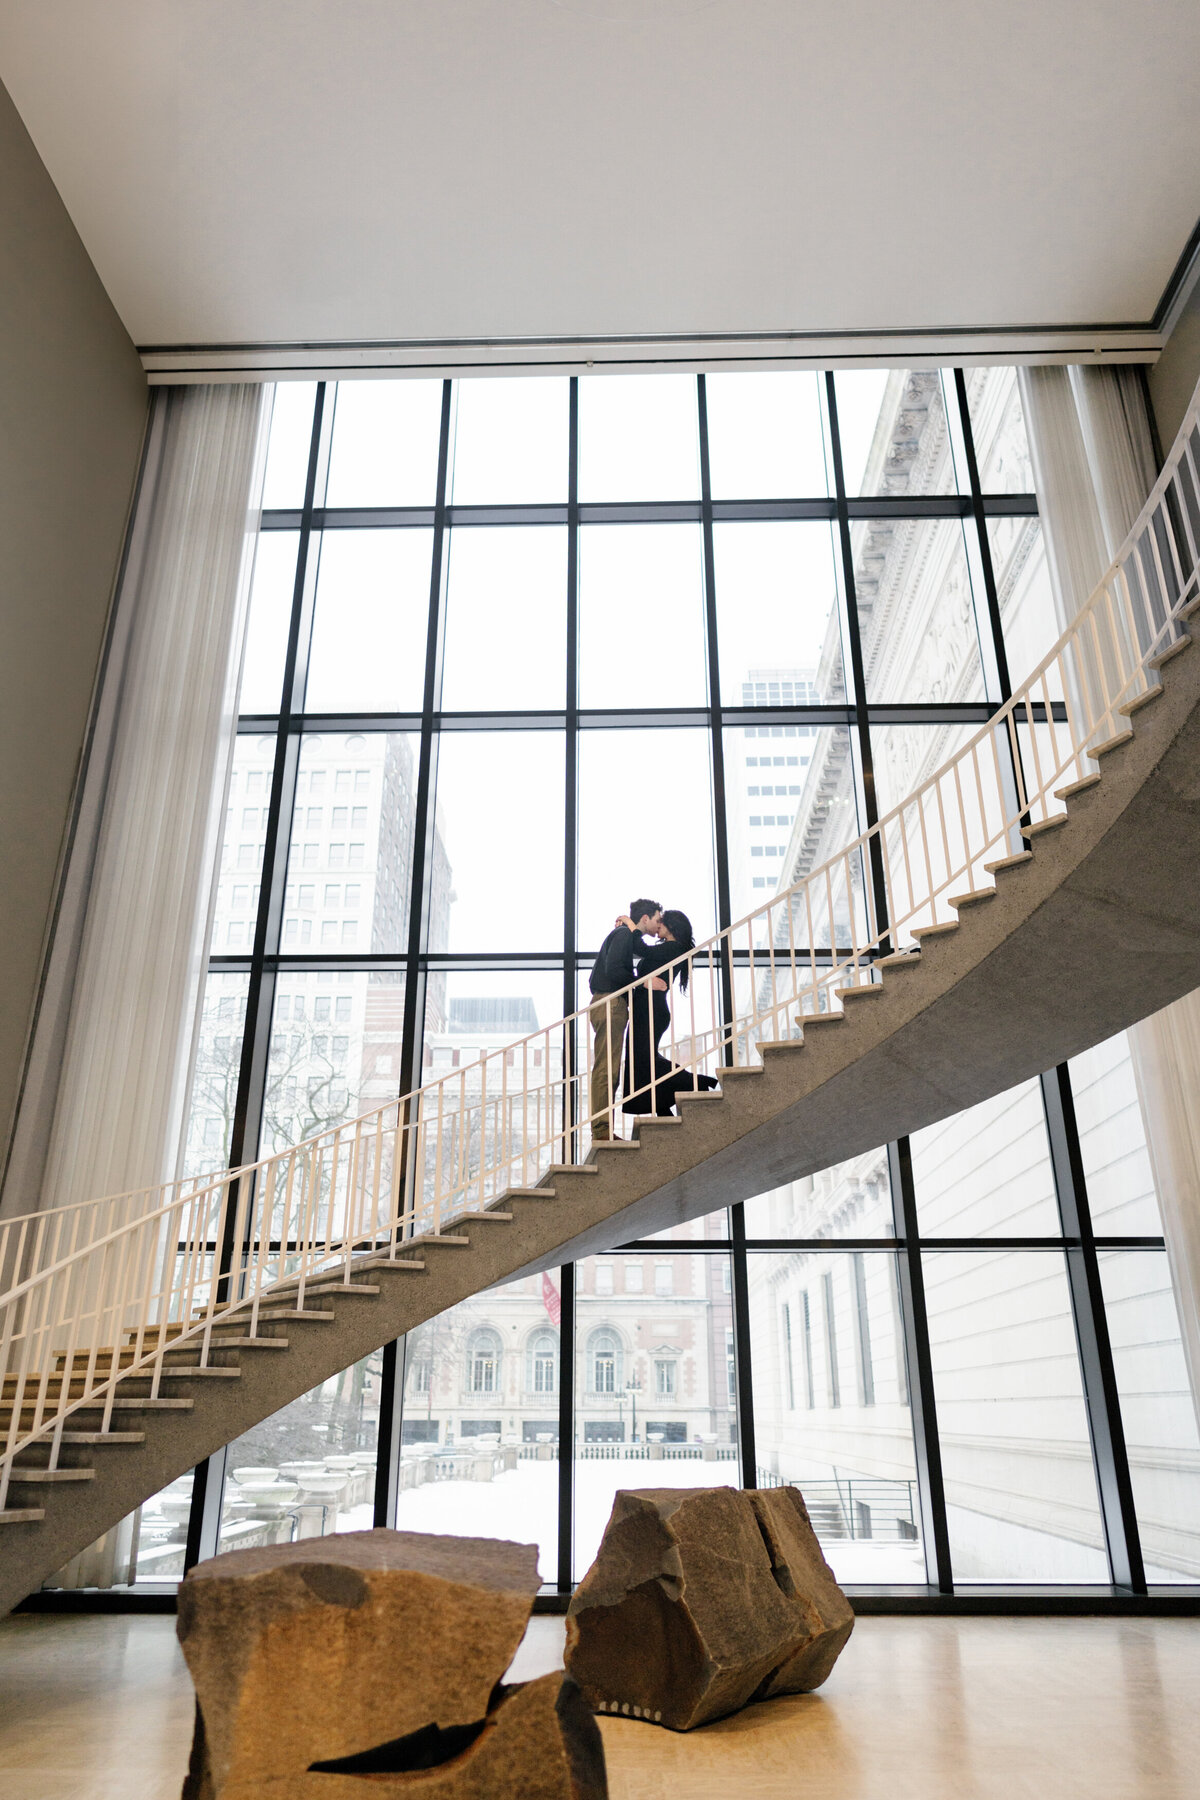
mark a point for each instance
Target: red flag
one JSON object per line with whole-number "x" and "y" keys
{"x": 551, "y": 1300}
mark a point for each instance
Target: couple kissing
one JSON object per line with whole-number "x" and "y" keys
{"x": 651, "y": 1083}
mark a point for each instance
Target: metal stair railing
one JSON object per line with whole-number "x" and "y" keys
{"x": 117, "y": 1289}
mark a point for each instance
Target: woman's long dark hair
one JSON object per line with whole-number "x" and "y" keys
{"x": 680, "y": 928}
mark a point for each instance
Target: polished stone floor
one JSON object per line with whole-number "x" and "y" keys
{"x": 100, "y": 1708}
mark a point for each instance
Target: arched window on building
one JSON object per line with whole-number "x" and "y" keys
{"x": 483, "y": 1362}
{"x": 542, "y": 1363}
{"x": 604, "y": 1362}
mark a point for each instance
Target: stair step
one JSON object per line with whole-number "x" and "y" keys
{"x": 1040, "y": 825}
{"x": 694, "y": 1099}
{"x": 617, "y": 1143}
{"x": 101, "y": 1437}
{"x": 485, "y": 1217}
{"x": 742, "y": 1070}
{"x": 534, "y": 1193}
{"x": 1009, "y": 862}
{"x": 40, "y": 1477}
{"x": 449, "y": 1239}
{"x": 1136, "y": 705}
{"x": 1165, "y": 656}
{"x": 905, "y": 959}
{"x": 558, "y": 1170}
{"x": 972, "y": 898}
{"x": 862, "y": 992}
{"x": 1112, "y": 743}
{"x": 928, "y": 931}
{"x": 22, "y": 1515}
{"x": 1077, "y": 787}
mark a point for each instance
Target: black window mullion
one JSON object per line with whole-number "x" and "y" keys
{"x": 1101, "y": 1397}
{"x": 995, "y": 623}
{"x": 922, "y": 1401}
{"x": 570, "y": 1049}
{"x": 715, "y": 712}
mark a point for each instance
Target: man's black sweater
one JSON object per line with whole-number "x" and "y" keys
{"x": 613, "y": 968}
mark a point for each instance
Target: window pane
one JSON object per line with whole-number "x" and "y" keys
{"x": 506, "y": 884}
{"x": 916, "y": 611}
{"x": 350, "y": 862}
{"x": 369, "y": 628}
{"x": 385, "y": 443}
{"x": 892, "y": 424}
{"x": 309, "y": 1470}
{"x": 638, "y": 438}
{"x": 479, "y": 1438}
{"x": 1112, "y": 1140}
{"x": 335, "y": 1051}
{"x": 1031, "y": 624}
{"x": 849, "y": 1199}
{"x": 1158, "y": 1410}
{"x": 242, "y": 844}
{"x": 766, "y": 436}
{"x": 998, "y": 427}
{"x": 215, "y": 1073}
{"x": 511, "y": 441}
{"x": 147, "y": 1546}
{"x": 926, "y": 842}
{"x": 986, "y": 1172}
{"x": 506, "y": 619}
{"x": 790, "y": 805}
{"x": 645, "y": 827}
{"x": 289, "y": 443}
{"x": 831, "y": 1409}
{"x": 641, "y": 616}
{"x": 778, "y": 623}
{"x": 1020, "y": 1491}
{"x": 655, "y": 1394}
{"x": 267, "y": 627}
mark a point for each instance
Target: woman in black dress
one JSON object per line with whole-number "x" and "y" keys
{"x": 649, "y": 1016}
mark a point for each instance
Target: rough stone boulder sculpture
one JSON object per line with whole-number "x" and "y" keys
{"x": 702, "y": 1600}
{"x": 371, "y": 1663}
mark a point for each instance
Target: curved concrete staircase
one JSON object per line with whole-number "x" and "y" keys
{"x": 1087, "y": 923}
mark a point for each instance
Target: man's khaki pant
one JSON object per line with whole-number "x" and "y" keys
{"x": 609, "y": 1016}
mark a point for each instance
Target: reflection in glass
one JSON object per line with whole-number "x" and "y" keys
{"x": 778, "y": 629}
{"x": 831, "y": 1406}
{"x": 506, "y": 619}
{"x": 289, "y": 444}
{"x": 243, "y": 843}
{"x": 655, "y": 1384}
{"x": 1020, "y": 1490}
{"x": 215, "y": 1067}
{"x": 790, "y": 804}
{"x": 309, "y": 1470}
{"x": 998, "y": 427}
{"x": 335, "y": 1051}
{"x": 479, "y": 1436}
{"x": 641, "y": 616}
{"x": 369, "y": 627}
{"x": 350, "y": 862}
{"x": 916, "y": 610}
{"x": 385, "y": 443}
{"x": 503, "y": 838}
{"x": 638, "y": 438}
{"x": 267, "y": 626}
{"x": 1112, "y": 1142}
{"x": 766, "y": 436}
{"x": 986, "y": 1172}
{"x": 1158, "y": 1410}
{"x": 510, "y": 442}
{"x": 645, "y": 827}
{"x": 892, "y": 424}
{"x": 848, "y": 1200}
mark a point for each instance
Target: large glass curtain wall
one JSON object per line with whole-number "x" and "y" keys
{"x": 519, "y": 650}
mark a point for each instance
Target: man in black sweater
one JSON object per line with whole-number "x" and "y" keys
{"x": 612, "y": 971}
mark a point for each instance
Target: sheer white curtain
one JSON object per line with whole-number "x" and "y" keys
{"x": 1093, "y": 462}
{"x": 125, "y": 972}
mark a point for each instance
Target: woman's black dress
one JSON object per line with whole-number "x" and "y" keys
{"x": 649, "y": 1016}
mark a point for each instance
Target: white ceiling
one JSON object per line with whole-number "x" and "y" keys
{"x": 275, "y": 170}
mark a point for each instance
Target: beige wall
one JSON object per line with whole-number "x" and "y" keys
{"x": 1174, "y": 376}
{"x": 72, "y": 413}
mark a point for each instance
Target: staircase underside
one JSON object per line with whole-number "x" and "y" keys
{"x": 1096, "y": 930}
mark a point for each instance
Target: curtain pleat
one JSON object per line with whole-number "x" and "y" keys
{"x": 118, "y": 1117}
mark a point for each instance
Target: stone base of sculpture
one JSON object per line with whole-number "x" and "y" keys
{"x": 700, "y": 1601}
{"x": 372, "y": 1662}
